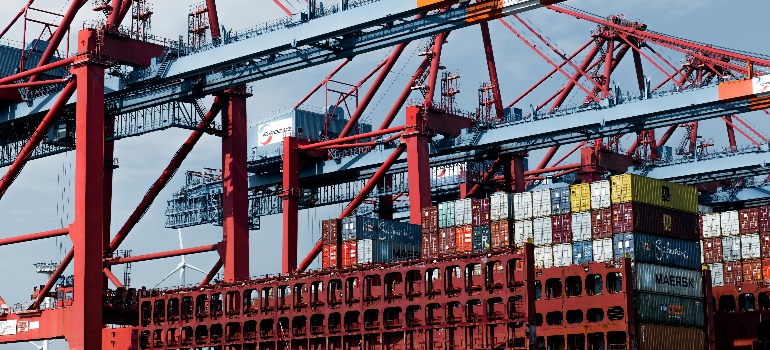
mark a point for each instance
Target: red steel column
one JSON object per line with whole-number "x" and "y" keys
{"x": 211, "y": 5}
{"x": 85, "y": 321}
{"x": 109, "y": 153}
{"x": 492, "y": 69}
{"x": 417, "y": 158}
{"x": 235, "y": 187}
{"x": 514, "y": 173}
{"x": 290, "y": 197}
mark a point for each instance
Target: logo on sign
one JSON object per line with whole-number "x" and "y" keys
{"x": 274, "y": 131}
{"x": 665, "y": 194}
{"x": 674, "y": 281}
{"x": 667, "y": 222}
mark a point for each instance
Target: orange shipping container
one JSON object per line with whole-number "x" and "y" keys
{"x": 501, "y": 234}
{"x": 464, "y": 239}
{"x": 325, "y": 256}
{"x": 766, "y": 269}
{"x": 752, "y": 271}
{"x": 447, "y": 241}
{"x": 349, "y": 253}
{"x": 334, "y": 261}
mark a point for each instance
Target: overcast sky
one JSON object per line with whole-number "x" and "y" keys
{"x": 40, "y": 199}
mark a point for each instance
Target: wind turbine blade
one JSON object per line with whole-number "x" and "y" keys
{"x": 181, "y": 246}
{"x": 167, "y": 276}
{"x": 196, "y": 269}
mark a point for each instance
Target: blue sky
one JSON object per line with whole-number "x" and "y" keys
{"x": 40, "y": 198}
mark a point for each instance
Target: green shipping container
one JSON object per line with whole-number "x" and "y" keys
{"x": 627, "y": 188}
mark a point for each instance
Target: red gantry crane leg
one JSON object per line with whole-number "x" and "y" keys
{"x": 235, "y": 187}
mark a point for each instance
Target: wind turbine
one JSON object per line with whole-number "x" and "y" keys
{"x": 182, "y": 265}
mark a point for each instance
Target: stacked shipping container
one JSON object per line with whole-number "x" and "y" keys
{"x": 735, "y": 245}
{"x": 362, "y": 240}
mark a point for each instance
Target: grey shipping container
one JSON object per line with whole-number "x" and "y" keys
{"x": 361, "y": 227}
{"x": 482, "y": 238}
{"x": 642, "y": 247}
{"x": 582, "y": 252}
{"x": 659, "y": 336}
{"x": 374, "y": 251}
{"x": 668, "y": 280}
{"x": 446, "y": 214}
{"x": 667, "y": 309}
{"x": 560, "y": 200}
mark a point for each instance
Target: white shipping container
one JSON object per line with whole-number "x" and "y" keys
{"x": 602, "y": 250}
{"x": 562, "y": 254}
{"x": 581, "y": 226}
{"x": 364, "y": 251}
{"x": 498, "y": 206}
{"x": 542, "y": 231}
{"x": 712, "y": 226}
{"x": 522, "y": 206}
{"x": 543, "y": 257}
{"x": 600, "y": 195}
{"x": 729, "y": 223}
{"x": 731, "y": 248}
{"x": 750, "y": 246}
{"x": 522, "y": 232}
{"x": 717, "y": 274}
{"x": 541, "y": 203}
{"x": 463, "y": 212}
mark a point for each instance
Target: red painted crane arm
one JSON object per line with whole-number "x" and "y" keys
{"x": 58, "y": 35}
{"x": 34, "y": 236}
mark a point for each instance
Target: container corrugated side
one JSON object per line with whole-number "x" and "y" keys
{"x": 752, "y": 271}
{"x": 642, "y": 247}
{"x": 635, "y": 188}
{"x": 731, "y": 248}
{"x": 764, "y": 244}
{"x": 580, "y": 197}
{"x": 729, "y": 223}
{"x": 541, "y": 203}
{"x": 711, "y": 250}
{"x": 602, "y": 249}
{"x": 522, "y": 206}
{"x": 711, "y": 225}
{"x": 499, "y": 206}
{"x": 482, "y": 239}
{"x": 581, "y": 226}
{"x": 750, "y": 246}
{"x": 733, "y": 273}
{"x": 560, "y": 203}
{"x": 522, "y": 232}
{"x": 748, "y": 219}
{"x": 562, "y": 254}
{"x": 463, "y": 212}
{"x": 501, "y": 234}
{"x": 446, "y": 214}
{"x": 658, "y": 336}
{"x": 717, "y": 274}
{"x": 601, "y": 223}
{"x": 561, "y": 228}
{"x": 667, "y": 309}
{"x": 543, "y": 257}
{"x": 600, "y": 195}
{"x": 542, "y": 231}
{"x": 464, "y": 239}
{"x": 582, "y": 252}
{"x": 667, "y": 280}
{"x": 638, "y": 217}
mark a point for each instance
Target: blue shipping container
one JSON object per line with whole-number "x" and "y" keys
{"x": 560, "y": 200}
{"x": 482, "y": 238}
{"x": 582, "y": 252}
{"x": 362, "y": 227}
{"x": 659, "y": 250}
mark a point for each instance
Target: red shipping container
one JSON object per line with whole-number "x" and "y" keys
{"x": 426, "y": 245}
{"x": 763, "y": 218}
{"x": 601, "y": 223}
{"x": 712, "y": 250}
{"x": 766, "y": 269}
{"x": 480, "y": 212}
{"x": 464, "y": 239}
{"x": 446, "y": 245}
{"x": 561, "y": 228}
{"x": 501, "y": 234}
{"x": 334, "y": 258}
{"x": 429, "y": 219}
{"x": 325, "y": 256}
{"x": 434, "y": 244}
{"x": 335, "y": 226}
{"x": 752, "y": 271}
{"x": 325, "y": 231}
{"x": 748, "y": 220}
{"x": 349, "y": 253}
{"x": 764, "y": 244}
{"x": 733, "y": 273}
{"x": 636, "y": 217}
{"x": 700, "y": 225}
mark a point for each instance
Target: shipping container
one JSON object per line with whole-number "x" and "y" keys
{"x": 582, "y": 252}
{"x": 646, "y": 248}
{"x": 464, "y": 239}
{"x": 349, "y": 253}
{"x": 659, "y": 336}
{"x": 480, "y": 212}
{"x": 541, "y": 231}
{"x": 543, "y": 257}
{"x": 731, "y": 248}
{"x": 562, "y": 254}
{"x": 334, "y": 260}
{"x": 429, "y": 246}
{"x": 711, "y": 249}
{"x": 541, "y": 203}
{"x": 580, "y": 197}
{"x": 637, "y": 217}
{"x": 601, "y": 223}
{"x": 560, "y": 203}
{"x": 752, "y": 271}
{"x": 325, "y": 231}
{"x": 750, "y": 246}
{"x": 764, "y": 244}
{"x": 522, "y": 206}
{"x": 325, "y": 263}
{"x": 382, "y": 252}
{"x": 482, "y": 239}
{"x": 447, "y": 241}
{"x": 561, "y": 229}
{"x": 602, "y": 249}
{"x": 667, "y": 280}
{"x": 711, "y": 225}
{"x": 581, "y": 226}
{"x": 501, "y": 234}
{"x": 429, "y": 220}
{"x": 717, "y": 274}
{"x": 446, "y": 214}
{"x": 763, "y": 218}
{"x": 748, "y": 220}
{"x": 362, "y": 227}
{"x": 600, "y": 195}
{"x": 522, "y": 232}
{"x": 667, "y": 309}
{"x": 733, "y": 273}
{"x": 766, "y": 269}
{"x": 627, "y": 188}
{"x": 335, "y": 226}
{"x": 729, "y": 223}
{"x": 463, "y": 212}
{"x": 499, "y": 206}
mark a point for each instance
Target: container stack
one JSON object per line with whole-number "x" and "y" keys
{"x": 465, "y": 225}
{"x": 331, "y": 244}
{"x": 735, "y": 245}
{"x": 367, "y": 240}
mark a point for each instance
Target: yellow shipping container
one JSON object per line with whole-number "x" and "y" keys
{"x": 580, "y": 197}
{"x": 639, "y": 189}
